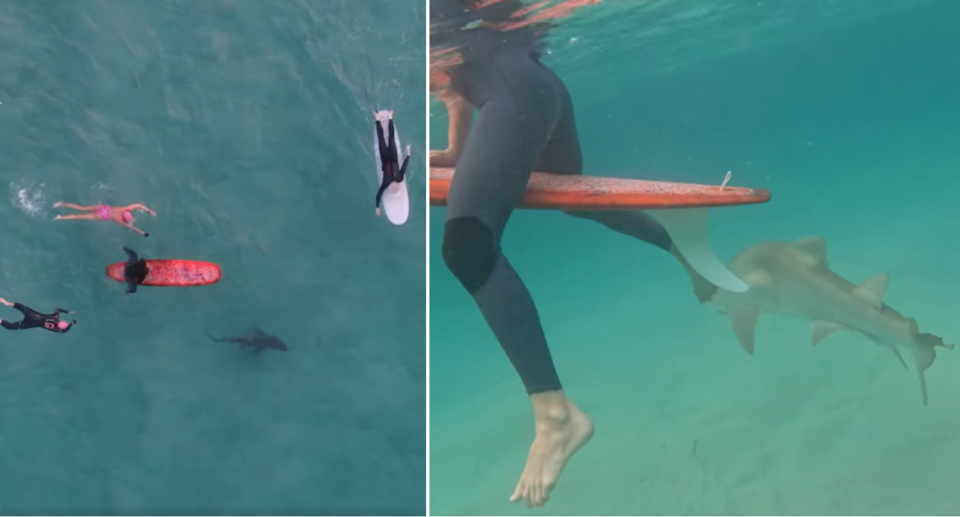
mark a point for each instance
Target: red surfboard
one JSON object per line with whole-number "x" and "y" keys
{"x": 559, "y": 192}
{"x": 172, "y": 273}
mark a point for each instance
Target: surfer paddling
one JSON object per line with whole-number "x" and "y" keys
{"x": 122, "y": 215}
{"x": 35, "y": 320}
{"x": 525, "y": 123}
{"x": 393, "y": 172}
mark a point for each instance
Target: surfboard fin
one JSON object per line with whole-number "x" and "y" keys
{"x": 688, "y": 229}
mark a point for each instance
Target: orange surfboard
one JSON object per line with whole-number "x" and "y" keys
{"x": 172, "y": 273}
{"x": 558, "y": 192}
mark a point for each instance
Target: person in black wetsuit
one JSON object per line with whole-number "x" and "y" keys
{"x": 135, "y": 272}
{"x": 393, "y": 172}
{"x": 525, "y": 123}
{"x": 33, "y": 319}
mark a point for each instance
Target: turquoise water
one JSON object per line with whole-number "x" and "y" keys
{"x": 848, "y": 112}
{"x": 244, "y": 125}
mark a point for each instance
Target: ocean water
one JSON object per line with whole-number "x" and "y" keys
{"x": 245, "y": 126}
{"x": 847, "y": 111}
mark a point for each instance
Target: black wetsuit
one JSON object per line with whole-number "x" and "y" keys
{"x": 33, "y": 319}
{"x": 525, "y": 123}
{"x": 135, "y": 271}
{"x": 389, "y": 160}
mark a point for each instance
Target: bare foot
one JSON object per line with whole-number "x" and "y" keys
{"x": 562, "y": 430}
{"x": 442, "y": 159}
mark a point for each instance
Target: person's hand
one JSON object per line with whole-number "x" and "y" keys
{"x": 378, "y": 211}
{"x": 442, "y": 159}
{"x": 408, "y": 150}
{"x": 57, "y": 218}
{"x": 58, "y": 204}
{"x": 5, "y": 302}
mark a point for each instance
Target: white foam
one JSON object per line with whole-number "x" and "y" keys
{"x": 29, "y": 197}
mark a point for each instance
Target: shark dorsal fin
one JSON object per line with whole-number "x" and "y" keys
{"x": 815, "y": 248}
{"x": 872, "y": 290}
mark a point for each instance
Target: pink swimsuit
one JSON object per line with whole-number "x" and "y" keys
{"x": 104, "y": 212}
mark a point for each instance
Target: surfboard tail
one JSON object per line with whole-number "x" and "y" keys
{"x": 688, "y": 229}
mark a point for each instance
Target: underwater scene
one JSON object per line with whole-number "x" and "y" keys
{"x": 788, "y": 355}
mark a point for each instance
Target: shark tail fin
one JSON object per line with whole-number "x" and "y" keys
{"x": 924, "y": 353}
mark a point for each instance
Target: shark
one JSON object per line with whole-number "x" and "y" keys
{"x": 260, "y": 341}
{"x": 794, "y": 278}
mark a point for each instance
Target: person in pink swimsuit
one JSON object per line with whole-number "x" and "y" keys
{"x": 122, "y": 215}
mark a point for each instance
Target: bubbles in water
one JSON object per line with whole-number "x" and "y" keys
{"x": 29, "y": 197}
{"x": 100, "y": 191}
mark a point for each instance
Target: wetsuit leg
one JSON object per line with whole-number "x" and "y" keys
{"x": 403, "y": 168}
{"x": 392, "y": 143}
{"x": 31, "y": 319}
{"x": 11, "y": 325}
{"x": 518, "y": 106}
{"x": 562, "y": 156}
{"x": 387, "y": 178}
{"x": 384, "y": 152}
{"x": 28, "y": 313}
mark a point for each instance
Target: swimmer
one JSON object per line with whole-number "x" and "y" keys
{"x": 525, "y": 122}
{"x": 34, "y": 320}
{"x": 122, "y": 215}
{"x": 135, "y": 271}
{"x": 392, "y": 172}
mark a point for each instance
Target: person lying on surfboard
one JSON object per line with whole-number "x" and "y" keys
{"x": 393, "y": 172}
{"x": 525, "y": 123}
{"x": 34, "y": 320}
{"x": 122, "y": 215}
{"x": 135, "y": 272}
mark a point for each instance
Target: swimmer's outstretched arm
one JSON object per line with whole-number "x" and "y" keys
{"x": 74, "y": 206}
{"x": 138, "y": 206}
{"x": 134, "y": 228}
{"x": 5, "y": 302}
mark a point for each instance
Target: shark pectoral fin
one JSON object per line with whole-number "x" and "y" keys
{"x": 872, "y": 290}
{"x": 688, "y": 229}
{"x": 815, "y": 248}
{"x": 900, "y": 357}
{"x": 743, "y": 320}
{"x": 822, "y": 329}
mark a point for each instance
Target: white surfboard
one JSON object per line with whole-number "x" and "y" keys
{"x": 395, "y": 201}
